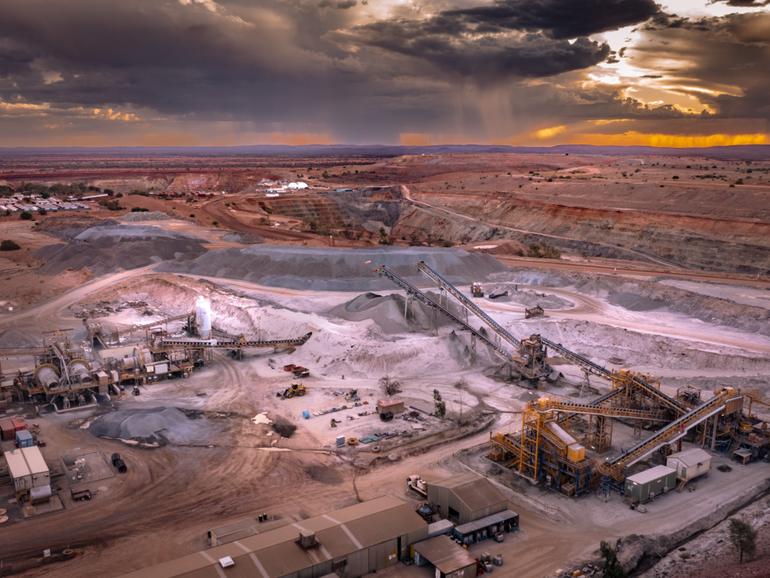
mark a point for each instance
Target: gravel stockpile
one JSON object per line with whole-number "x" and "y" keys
{"x": 152, "y": 427}
{"x": 144, "y": 216}
{"x": 336, "y": 269}
{"x": 104, "y": 249}
{"x": 388, "y": 312}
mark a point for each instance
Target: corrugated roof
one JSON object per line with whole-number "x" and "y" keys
{"x": 475, "y": 492}
{"x": 691, "y": 457}
{"x": 486, "y": 521}
{"x": 17, "y": 465}
{"x": 276, "y": 552}
{"x": 445, "y": 554}
{"x": 35, "y": 460}
{"x": 650, "y": 475}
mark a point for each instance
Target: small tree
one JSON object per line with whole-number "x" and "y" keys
{"x": 612, "y": 568}
{"x": 743, "y": 537}
{"x": 440, "y": 404}
{"x": 9, "y": 245}
{"x": 390, "y": 386}
{"x": 25, "y": 216}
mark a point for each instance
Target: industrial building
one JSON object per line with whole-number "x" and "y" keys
{"x": 29, "y": 473}
{"x": 69, "y": 375}
{"x": 465, "y": 498}
{"x": 350, "y": 542}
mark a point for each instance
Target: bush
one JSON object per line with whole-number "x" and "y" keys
{"x": 139, "y": 210}
{"x": 25, "y": 216}
{"x": 9, "y": 245}
{"x": 543, "y": 251}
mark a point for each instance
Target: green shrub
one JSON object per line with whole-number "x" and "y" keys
{"x": 25, "y": 216}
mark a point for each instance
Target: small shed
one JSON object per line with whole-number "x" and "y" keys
{"x": 652, "y": 482}
{"x": 690, "y": 464}
{"x": 393, "y": 406}
{"x": 448, "y": 558}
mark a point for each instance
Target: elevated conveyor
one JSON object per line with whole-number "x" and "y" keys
{"x": 241, "y": 343}
{"x": 426, "y": 300}
{"x": 677, "y": 429}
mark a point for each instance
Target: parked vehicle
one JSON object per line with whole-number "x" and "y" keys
{"x": 119, "y": 464}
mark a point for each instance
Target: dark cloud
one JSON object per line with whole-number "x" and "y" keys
{"x": 742, "y": 3}
{"x": 489, "y": 58}
{"x": 559, "y": 18}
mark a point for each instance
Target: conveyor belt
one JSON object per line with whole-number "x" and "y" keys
{"x": 423, "y": 298}
{"x": 467, "y": 303}
{"x": 673, "y": 431}
{"x": 194, "y": 343}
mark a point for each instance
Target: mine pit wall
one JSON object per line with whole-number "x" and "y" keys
{"x": 637, "y": 554}
{"x": 708, "y": 243}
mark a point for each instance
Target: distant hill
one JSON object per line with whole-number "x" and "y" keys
{"x": 741, "y": 152}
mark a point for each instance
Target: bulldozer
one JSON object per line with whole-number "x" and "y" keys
{"x": 294, "y": 390}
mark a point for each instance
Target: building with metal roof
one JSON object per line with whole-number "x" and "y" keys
{"x": 447, "y": 557}
{"x": 690, "y": 464}
{"x": 354, "y": 541}
{"x": 465, "y": 497}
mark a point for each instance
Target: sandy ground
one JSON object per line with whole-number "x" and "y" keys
{"x": 216, "y": 465}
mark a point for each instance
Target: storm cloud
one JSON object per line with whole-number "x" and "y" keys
{"x": 224, "y": 71}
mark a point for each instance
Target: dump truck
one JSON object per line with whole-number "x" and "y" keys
{"x": 476, "y": 289}
{"x": 416, "y": 483}
{"x": 297, "y": 370}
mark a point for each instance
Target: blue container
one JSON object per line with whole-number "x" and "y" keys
{"x": 306, "y": 414}
{"x": 24, "y": 439}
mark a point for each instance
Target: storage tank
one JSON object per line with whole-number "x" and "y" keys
{"x": 203, "y": 317}
{"x": 79, "y": 371}
{"x": 46, "y": 376}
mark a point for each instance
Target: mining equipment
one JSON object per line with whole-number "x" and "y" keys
{"x": 527, "y": 358}
{"x": 294, "y": 390}
{"x": 416, "y": 483}
{"x": 535, "y": 311}
{"x": 70, "y": 375}
{"x": 476, "y": 290}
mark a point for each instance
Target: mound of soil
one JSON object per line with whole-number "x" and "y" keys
{"x": 106, "y": 248}
{"x": 283, "y": 427}
{"x": 153, "y": 427}
{"x": 336, "y": 269}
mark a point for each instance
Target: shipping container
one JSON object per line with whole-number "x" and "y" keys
{"x": 650, "y": 483}
{"x": 7, "y": 430}
{"x": 24, "y": 439}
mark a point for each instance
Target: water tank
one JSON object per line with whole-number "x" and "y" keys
{"x": 203, "y": 317}
{"x": 46, "y": 376}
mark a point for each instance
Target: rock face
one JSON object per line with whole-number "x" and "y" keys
{"x": 739, "y": 245}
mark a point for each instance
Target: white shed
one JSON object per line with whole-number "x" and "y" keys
{"x": 689, "y": 464}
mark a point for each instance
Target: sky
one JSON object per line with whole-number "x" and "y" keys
{"x": 413, "y": 72}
